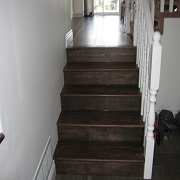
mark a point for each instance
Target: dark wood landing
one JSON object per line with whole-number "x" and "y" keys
{"x": 101, "y": 54}
{"x": 101, "y": 73}
{"x": 98, "y": 31}
{"x": 115, "y": 158}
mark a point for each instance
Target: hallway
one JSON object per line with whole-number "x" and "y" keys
{"x": 102, "y": 31}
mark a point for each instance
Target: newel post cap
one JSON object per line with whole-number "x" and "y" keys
{"x": 156, "y": 37}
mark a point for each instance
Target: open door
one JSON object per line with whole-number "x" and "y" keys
{"x": 106, "y": 7}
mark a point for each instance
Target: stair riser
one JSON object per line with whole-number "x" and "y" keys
{"x": 100, "y": 134}
{"x": 102, "y": 103}
{"x": 100, "y": 168}
{"x": 101, "y": 55}
{"x": 119, "y": 78}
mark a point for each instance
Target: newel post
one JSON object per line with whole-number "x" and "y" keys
{"x": 154, "y": 86}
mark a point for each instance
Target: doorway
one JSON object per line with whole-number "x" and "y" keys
{"x": 105, "y": 7}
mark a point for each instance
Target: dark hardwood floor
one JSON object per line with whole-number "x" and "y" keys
{"x": 103, "y": 31}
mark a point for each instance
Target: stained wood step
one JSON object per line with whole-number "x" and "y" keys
{"x": 101, "y": 54}
{"x": 101, "y": 73}
{"x": 100, "y": 158}
{"x": 100, "y": 126}
{"x": 104, "y": 97}
{"x": 101, "y": 118}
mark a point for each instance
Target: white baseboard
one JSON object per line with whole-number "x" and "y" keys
{"x": 46, "y": 167}
{"x": 52, "y": 173}
{"x": 78, "y": 15}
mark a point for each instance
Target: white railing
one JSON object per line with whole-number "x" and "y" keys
{"x": 149, "y": 63}
{"x": 170, "y": 3}
{"x": 129, "y": 14}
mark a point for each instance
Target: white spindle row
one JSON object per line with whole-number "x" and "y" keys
{"x": 148, "y": 61}
{"x": 171, "y": 3}
{"x": 162, "y": 4}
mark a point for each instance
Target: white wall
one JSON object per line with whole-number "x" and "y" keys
{"x": 78, "y": 8}
{"x": 32, "y": 56}
{"x": 169, "y": 92}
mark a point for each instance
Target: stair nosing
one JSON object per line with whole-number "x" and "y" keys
{"x": 101, "y": 160}
{"x": 101, "y": 95}
{"x": 101, "y": 126}
{"x": 101, "y": 47}
{"x": 99, "y": 67}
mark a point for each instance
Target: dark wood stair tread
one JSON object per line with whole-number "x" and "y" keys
{"x": 101, "y": 90}
{"x": 131, "y": 152}
{"x": 101, "y": 47}
{"x": 78, "y": 67}
{"x": 126, "y": 119}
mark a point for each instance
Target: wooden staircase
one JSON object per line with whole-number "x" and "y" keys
{"x": 100, "y": 128}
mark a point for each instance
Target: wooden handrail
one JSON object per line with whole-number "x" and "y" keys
{"x": 1, "y": 137}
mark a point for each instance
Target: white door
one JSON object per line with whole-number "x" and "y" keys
{"x": 106, "y": 7}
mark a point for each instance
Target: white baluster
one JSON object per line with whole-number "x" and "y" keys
{"x": 152, "y": 10}
{"x": 127, "y": 16}
{"x": 149, "y": 150}
{"x": 132, "y": 10}
{"x": 171, "y": 4}
{"x": 154, "y": 86}
{"x": 162, "y": 5}
{"x": 135, "y": 35}
{"x": 141, "y": 48}
{"x": 144, "y": 75}
{"x": 146, "y": 107}
{"x": 143, "y": 53}
{"x": 138, "y": 32}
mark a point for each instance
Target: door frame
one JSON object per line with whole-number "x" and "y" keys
{"x": 107, "y": 13}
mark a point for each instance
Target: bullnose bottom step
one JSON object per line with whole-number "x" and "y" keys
{"x": 100, "y": 158}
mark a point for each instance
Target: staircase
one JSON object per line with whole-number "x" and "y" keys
{"x": 100, "y": 128}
